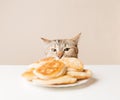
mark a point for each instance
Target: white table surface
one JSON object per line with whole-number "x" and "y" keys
{"x": 105, "y": 85}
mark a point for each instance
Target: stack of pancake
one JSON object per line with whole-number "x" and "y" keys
{"x": 57, "y": 72}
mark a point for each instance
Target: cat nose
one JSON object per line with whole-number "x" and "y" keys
{"x": 60, "y": 54}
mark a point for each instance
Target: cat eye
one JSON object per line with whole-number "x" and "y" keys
{"x": 54, "y": 50}
{"x": 66, "y": 49}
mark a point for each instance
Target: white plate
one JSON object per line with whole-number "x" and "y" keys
{"x": 80, "y": 82}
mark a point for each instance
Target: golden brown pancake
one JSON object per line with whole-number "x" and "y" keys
{"x": 85, "y": 74}
{"x": 29, "y": 75}
{"x": 66, "y": 79}
{"x": 50, "y": 70}
{"x": 41, "y": 62}
{"x": 72, "y": 63}
{"x": 49, "y": 59}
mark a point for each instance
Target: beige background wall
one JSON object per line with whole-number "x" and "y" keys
{"x": 23, "y": 22}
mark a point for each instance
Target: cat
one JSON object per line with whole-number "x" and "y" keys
{"x": 59, "y": 48}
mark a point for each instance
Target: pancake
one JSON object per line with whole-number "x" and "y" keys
{"x": 85, "y": 74}
{"x": 50, "y": 70}
{"x": 41, "y": 62}
{"x": 73, "y": 63}
{"x": 49, "y": 59}
{"x": 66, "y": 79}
{"x": 29, "y": 75}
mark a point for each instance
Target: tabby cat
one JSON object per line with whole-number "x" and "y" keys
{"x": 59, "y": 48}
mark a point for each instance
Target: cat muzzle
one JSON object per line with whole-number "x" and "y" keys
{"x": 60, "y": 54}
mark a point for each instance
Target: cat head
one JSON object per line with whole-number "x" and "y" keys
{"x": 59, "y": 48}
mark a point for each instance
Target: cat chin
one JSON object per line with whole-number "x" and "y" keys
{"x": 57, "y": 58}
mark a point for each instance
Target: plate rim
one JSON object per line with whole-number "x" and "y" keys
{"x": 79, "y": 82}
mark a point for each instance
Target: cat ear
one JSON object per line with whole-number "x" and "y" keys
{"x": 46, "y": 40}
{"x": 76, "y": 38}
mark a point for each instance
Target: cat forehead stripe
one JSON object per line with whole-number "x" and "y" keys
{"x": 58, "y": 42}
